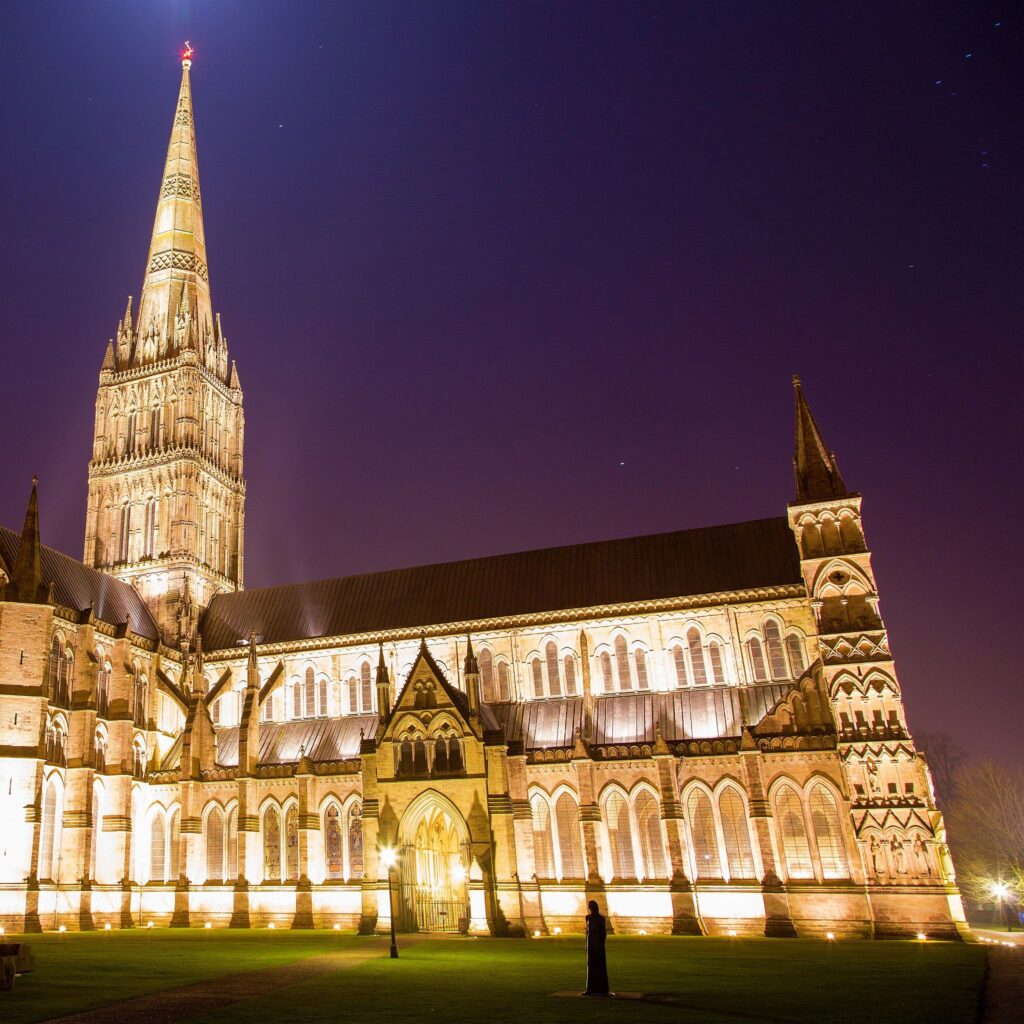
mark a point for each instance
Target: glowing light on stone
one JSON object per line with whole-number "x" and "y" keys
{"x": 922, "y": 936}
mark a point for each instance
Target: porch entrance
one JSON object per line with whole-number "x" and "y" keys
{"x": 435, "y": 894}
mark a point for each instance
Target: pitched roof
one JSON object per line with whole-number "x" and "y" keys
{"x": 81, "y": 588}
{"x": 323, "y": 739}
{"x": 739, "y": 556}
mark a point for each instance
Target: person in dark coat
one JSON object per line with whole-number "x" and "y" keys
{"x": 597, "y": 965}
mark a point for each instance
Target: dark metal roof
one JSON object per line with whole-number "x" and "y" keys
{"x": 740, "y": 556}
{"x": 77, "y": 586}
{"x": 324, "y": 739}
{"x": 692, "y": 714}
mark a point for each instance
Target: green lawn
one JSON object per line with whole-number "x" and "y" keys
{"x": 493, "y": 980}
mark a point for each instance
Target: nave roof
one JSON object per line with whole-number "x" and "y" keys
{"x": 739, "y": 556}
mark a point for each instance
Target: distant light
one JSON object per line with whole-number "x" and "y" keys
{"x": 458, "y": 874}
{"x": 558, "y": 931}
{"x": 831, "y": 936}
{"x": 388, "y": 857}
{"x": 62, "y": 929}
{"x": 337, "y": 927}
{"x": 149, "y": 924}
{"x": 1000, "y": 890}
{"x": 536, "y": 935}
{"x": 922, "y": 936}
{"x": 732, "y": 933}
{"x": 271, "y": 926}
{"x": 207, "y": 925}
{"x": 642, "y": 931}
{"x": 106, "y": 927}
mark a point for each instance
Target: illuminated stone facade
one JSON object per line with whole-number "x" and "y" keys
{"x": 701, "y": 730}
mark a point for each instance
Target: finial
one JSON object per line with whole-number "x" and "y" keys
{"x": 796, "y": 380}
{"x": 186, "y": 55}
{"x": 35, "y": 480}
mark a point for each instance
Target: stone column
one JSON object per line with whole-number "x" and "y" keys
{"x": 247, "y": 852}
{"x": 522, "y": 825}
{"x": 685, "y": 918}
{"x": 309, "y": 824}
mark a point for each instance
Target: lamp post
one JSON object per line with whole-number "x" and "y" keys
{"x": 389, "y": 858}
{"x": 1001, "y": 891}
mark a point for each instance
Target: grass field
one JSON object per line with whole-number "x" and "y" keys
{"x": 493, "y": 980}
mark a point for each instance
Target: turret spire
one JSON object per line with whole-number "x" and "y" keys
{"x": 27, "y": 575}
{"x": 176, "y": 271}
{"x": 814, "y": 465}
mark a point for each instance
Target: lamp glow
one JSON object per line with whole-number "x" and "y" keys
{"x": 62, "y": 929}
{"x": 271, "y": 926}
{"x": 922, "y": 936}
{"x": 106, "y": 927}
{"x": 458, "y": 874}
{"x": 388, "y": 857}
{"x": 831, "y": 936}
{"x": 207, "y": 926}
{"x": 149, "y": 924}
{"x": 1000, "y": 890}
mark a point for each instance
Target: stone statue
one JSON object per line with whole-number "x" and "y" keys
{"x": 877, "y": 857}
{"x": 597, "y": 965}
{"x": 899, "y": 857}
{"x": 921, "y": 860}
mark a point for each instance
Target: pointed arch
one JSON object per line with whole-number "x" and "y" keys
{"x": 796, "y": 851}
{"x": 647, "y": 811}
{"x": 707, "y": 862}
{"x": 543, "y": 843}
{"x": 732, "y": 809}
{"x": 828, "y": 833}
{"x": 570, "y": 840}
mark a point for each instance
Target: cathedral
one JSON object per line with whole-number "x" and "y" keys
{"x": 702, "y": 730}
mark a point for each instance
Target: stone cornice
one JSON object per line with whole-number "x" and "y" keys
{"x": 118, "y": 465}
{"x": 170, "y": 365}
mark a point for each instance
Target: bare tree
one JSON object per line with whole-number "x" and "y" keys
{"x": 985, "y": 822}
{"x": 946, "y": 760}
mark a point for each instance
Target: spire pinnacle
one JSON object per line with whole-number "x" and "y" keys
{"x": 252, "y": 677}
{"x": 27, "y": 575}
{"x": 814, "y": 465}
{"x": 176, "y": 270}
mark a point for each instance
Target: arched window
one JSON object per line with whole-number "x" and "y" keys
{"x": 324, "y": 709}
{"x": 366, "y": 688}
{"x": 554, "y": 680}
{"x": 640, "y": 660}
{"x": 757, "y": 665}
{"x": 53, "y": 666}
{"x": 50, "y": 832}
{"x": 504, "y": 683}
{"x": 454, "y": 754}
{"x": 149, "y": 528}
{"x": 570, "y": 843}
{"x": 271, "y": 845}
{"x": 158, "y": 846}
{"x": 355, "y": 841}
{"x": 215, "y": 844}
{"x": 99, "y": 751}
{"x": 622, "y": 663}
{"x": 440, "y": 756}
{"x": 648, "y": 826}
{"x": 607, "y": 681}
{"x": 486, "y": 663}
{"x": 538, "y": 677}
{"x": 543, "y": 848}
{"x": 97, "y": 828}
{"x": 175, "y": 849}
{"x": 419, "y": 757}
{"x": 793, "y": 833}
{"x": 296, "y": 700}
{"x": 139, "y": 759}
{"x": 310, "y": 693}
{"x": 795, "y": 650}
{"x": 231, "y": 867}
{"x": 717, "y": 665}
{"x": 620, "y": 841}
{"x": 405, "y": 764}
{"x": 736, "y": 833}
{"x": 353, "y": 695}
{"x": 705, "y": 838}
{"x": 828, "y": 833}
{"x": 124, "y": 534}
{"x": 570, "y": 675}
{"x": 776, "y": 656}
{"x": 700, "y": 672}
{"x": 333, "y": 850}
{"x": 291, "y": 828}
{"x": 141, "y": 700}
{"x": 679, "y": 660}
{"x": 102, "y": 687}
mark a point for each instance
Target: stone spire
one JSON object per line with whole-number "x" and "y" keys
{"x": 814, "y": 465}
{"x": 383, "y": 683}
{"x": 27, "y": 574}
{"x": 252, "y": 671}
{"x": 176, "y": 271}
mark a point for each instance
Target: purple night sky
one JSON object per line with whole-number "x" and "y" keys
{"x": 501, "y": 276}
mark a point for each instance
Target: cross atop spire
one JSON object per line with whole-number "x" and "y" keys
{"x": 176, "y": 271}
{"x": 814, "y": 465}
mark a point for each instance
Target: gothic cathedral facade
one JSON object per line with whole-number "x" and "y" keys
{"x": 701, "y": 730}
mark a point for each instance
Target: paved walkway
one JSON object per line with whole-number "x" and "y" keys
{"x": 1002, "y": 1001}
{"x": 191, "y": 1001}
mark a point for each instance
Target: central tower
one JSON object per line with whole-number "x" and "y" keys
{"x": 166, "y": 491}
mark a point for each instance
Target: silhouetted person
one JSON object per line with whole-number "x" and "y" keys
{"x": 597, "y": 965}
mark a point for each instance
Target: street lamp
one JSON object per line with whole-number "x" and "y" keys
{"x": 389, "y": 858}
{"x": 1001, "y": 891}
